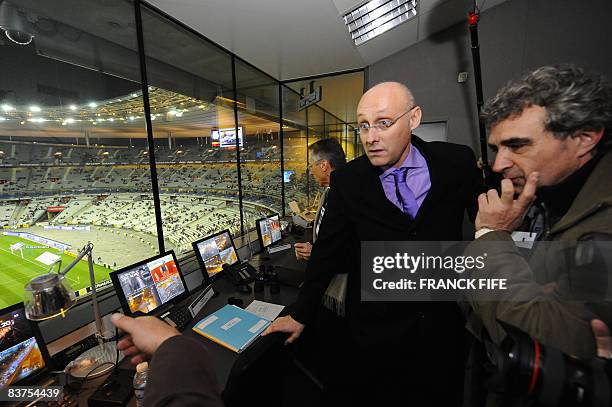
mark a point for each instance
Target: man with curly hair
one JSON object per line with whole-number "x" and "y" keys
{"x": 551, "y": 134}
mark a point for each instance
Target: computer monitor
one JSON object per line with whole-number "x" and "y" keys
{"x": 150, "y": 285}
{"x": 22, "y": 350}
{"x": 268, "y": 230}
{"x": 213, "y": 252}
{"x": 287, "y": 175}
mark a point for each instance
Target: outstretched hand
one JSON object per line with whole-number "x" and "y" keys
{"x": 602, "y": 338}
{"x": 145, "y": 335}
{"x": 286, "y": 324}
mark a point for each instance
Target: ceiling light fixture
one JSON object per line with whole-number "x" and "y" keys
{"x": 378, "y": 16}
{"x": 15, "y": 24}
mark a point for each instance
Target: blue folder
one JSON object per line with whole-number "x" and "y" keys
{"x": 232, "y": 327}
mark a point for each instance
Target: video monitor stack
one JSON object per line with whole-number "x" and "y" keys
{"x": 21, "y": 347}
{"x": 150, "y": 284}
{"x": 215, "y": 251}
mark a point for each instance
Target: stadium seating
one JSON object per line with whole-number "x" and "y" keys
{"x": 111, "y": 187}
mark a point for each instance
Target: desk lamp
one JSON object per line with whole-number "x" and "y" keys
{"x": 50, "y": 295}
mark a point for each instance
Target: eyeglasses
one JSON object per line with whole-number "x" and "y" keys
{"x": 380, "y": 125}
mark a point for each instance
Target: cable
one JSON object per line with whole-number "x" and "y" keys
{"x": 115, "y": 364}
{"x": 96, "y": 368}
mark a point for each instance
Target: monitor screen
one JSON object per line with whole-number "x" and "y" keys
{"x": 226, "y": 138}
{"x": 149, "y": 284}
{"x": 215, "y": 251}
{"x": 269, "y": 230}
{"x": 287, "y": 175}
{"x": 20, "y": 350}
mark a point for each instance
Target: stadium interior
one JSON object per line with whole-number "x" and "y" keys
{"x": 142, "y": 126}
{"x": 76, "y": 156}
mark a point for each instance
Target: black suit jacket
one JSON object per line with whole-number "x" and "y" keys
{"x": 358, "y": 210}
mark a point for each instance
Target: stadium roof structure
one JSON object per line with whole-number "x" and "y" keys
{"x": 122, "y": 117}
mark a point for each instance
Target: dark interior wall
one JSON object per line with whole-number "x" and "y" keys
{"x": 515, "y": 37}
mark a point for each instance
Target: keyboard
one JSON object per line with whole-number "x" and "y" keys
{"x": 181, "y": 317}
{"x": 69, "y": 399}
{"x": 279, "y": 248}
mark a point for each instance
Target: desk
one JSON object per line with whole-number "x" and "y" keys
{"x": 228, "y": 364}
{"x": 225, "y": 361}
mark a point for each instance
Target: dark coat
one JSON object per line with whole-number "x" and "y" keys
{"x": 414, "y": 347}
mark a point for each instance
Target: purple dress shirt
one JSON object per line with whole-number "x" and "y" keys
{"x": 417, "y": 180}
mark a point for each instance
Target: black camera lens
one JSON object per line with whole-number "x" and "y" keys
{"x": 533, "y": 371}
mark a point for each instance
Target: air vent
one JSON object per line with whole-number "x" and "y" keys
{"x": 377, "y": 16}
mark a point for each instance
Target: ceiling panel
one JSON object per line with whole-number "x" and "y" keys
{"x": 285, "y": 39}
{"x": 293, "y": 39}
{"x": 390, "y": 42}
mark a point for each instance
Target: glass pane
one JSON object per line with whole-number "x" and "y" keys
{"x": 316, "y": 132}
{"x": 191, "y": 95}
{"x": 71, "y": 141}
{"x": 334, "y": 128}
{"x": 260, "y": 156}
{"x": 340, "y": 97}
{"x": 295, "y": 144}
{"x": 353, "y": 145}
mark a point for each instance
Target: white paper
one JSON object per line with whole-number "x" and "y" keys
{"x": 264, "y": 309}
{"x": 524, "y": 239}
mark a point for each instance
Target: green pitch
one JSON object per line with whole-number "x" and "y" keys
{"x": 15, "y": 272}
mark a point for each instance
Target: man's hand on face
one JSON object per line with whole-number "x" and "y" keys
{"x": 505, "y": 212}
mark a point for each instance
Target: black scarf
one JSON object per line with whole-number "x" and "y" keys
{"x": 559, "y": 198}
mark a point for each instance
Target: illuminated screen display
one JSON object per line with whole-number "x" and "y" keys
{"x": 216, "y": 251}
{"x": 226, "y": 138}
{"x": 20, "y": 355}
{"x": 269, "y": 230}
{"x": 152, "y": 284}
{"x": 287, "y": 175}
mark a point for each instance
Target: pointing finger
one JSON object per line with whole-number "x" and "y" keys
{"x": 482, "y": 201}
{"x": 507, "y": 192}
{"x": 528, "y": 195}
